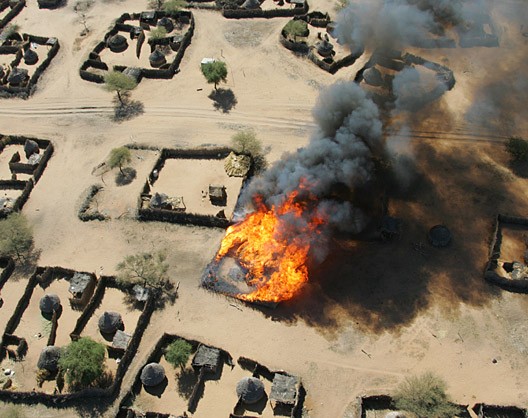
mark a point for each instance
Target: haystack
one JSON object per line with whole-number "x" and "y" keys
{"x": 439, "y": 236}
{"x": 117, "y": 43}
{"x": 250, "y": 390}
{"x": 152, "y": 374}
{"x": 49, "y": 358}
{"x": 110, "y": 322}
{"x": 157, "y": 58}
{"x": 237, "y": 165}
{"x": 49, "y": 303}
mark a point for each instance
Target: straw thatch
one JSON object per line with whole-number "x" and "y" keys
{"x": 237, "y": 165}
{"x": 78, "y": 283}
{"x": 49, "y": 303}
{"x": 324, "y": 48}
{"x": 167, "y": 23}
{"x": 30, "y": 148}
{"x": 206, "y": 357}
{"x": 250, "y": 390}
{"x": 439, "y": 236}
{"x": 157, "y": 58}
{"x": 373, "y": 77}
{"x": 30, "y": 57}
{"x": 110, "y": 322}
{"x": 117, "y": 43}
{"x": 49, "y": 358}
{"x": 284, "y": 389}
{"x": 152, "y": 374}
{"x": 121, "y": 340}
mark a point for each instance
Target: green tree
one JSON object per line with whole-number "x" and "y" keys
{"x": 296, "y": 28}
{"x": 116, "y": 81}
{"x": 173, "y": 6}
{"x": 16, "y": 236}
{"x": 246, "y": 142}
{"x": 215, "y": 72}
{"x": 178, "y": 353}
{"x": 425, "y": 396}
{"x": 158, "y": 33}
{"x": 146, "y": 269}
{"x": 119, "y": 157}
{"x": 82, "y": 361}
{"x": 518, "y": 148}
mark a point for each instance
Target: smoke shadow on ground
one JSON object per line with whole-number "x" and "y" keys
{"x": 384, "y": 286}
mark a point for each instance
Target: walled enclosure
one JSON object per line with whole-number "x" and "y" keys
{"x": 13, "y": 11}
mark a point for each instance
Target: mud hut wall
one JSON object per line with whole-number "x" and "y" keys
{"x": 298, "y": 47}
{"x": 12, "y": 13}
{"x": 8, "y": 265}
{"x": 94, "y": 78}
{"x": 184, "y": 218}
{"x": 373, "y": 402}
{"x": 54, "y": 325}
{"x": 483, "y": 410}
{"x": 22, "y": 168}
{"x": 297, "y": 410}
{"x": 335, "y": 65}
{"x": 267, "y": 14}
{"x": 22, "y": 199}
{"x": 8, "y": 49}
{"x": 43, "y": 163}
{"x": 217, "y": 153}
{"x": 100, "y": 65}
{"x": 13, "y": 184}
{"x": 186, "y": 41}
{"x": 85, "y": 205}
{"x": 89, "y": 310}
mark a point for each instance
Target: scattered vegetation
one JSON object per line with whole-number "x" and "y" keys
{"x": 8, "y": 31}
{"x": 82, "y": 362}
{"x": 246, "y": 142}
{"x": 119, "y": 157}
{"x": 116, "y": 81}
{"x": 425, "y": 396}
{"x": 215, "y": 72}
{"x": 158, "y": 33}
{"x": 173, "y": 6}
{"x": 295, "y": 28}
{"x": 16, "y": 236}
{"x": 517, "y": 148}
{"x": 146, "y": 269}
{"x": 178, "y": 353}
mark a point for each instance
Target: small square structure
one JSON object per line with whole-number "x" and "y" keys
{"x": 81, "y": 288}
{"x": 121, "y": 340}
{"x": 284, "y": 391}
{"x": 217, "y": 194}
{"x": 206, "y": 357}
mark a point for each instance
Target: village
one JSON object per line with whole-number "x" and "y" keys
{"x": 267, "y": 208}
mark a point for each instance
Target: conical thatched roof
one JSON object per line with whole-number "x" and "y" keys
{"x": 49, "y": 358}
{"x": 250, "y": 390}
{"x": 157, "y": 58}
{"x": 152, "y": 374}
{"x": 117, "y": 43}
{"x": 167, "y": 23}
{"x": 49, "y": 303}
{"x": 251, "y": 4}
{"x": 110, "y": 322}
{"x": 17, "y": 76}
{"x": 324, "y": 48}
{"x": 30, "y": 57}
{"x": 30, "y": 147}
{"x": 373, "y": 76}
{"x": 237, "y": 165}
{"x": 439, "y": 236}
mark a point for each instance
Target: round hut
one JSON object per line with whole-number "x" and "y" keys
{"x": 152, "y": 374}
{"x": 17, "y": 76}
{"x": 49, "y": 358}
{"x": 250, "y": 390}
{"x": 439, "y": 236}
{"x": 117, "y": 43}
{"x": 30, "y": 57}
{"x": 251, "y": 4}
{"x": 110, "y": 322}
{"x": 157, "y": 59}
{"x": 167, "y": 23}
{"x": 324, "y": 48}
{"x": 373, "y": 76}
{"x": 49, "y": 303}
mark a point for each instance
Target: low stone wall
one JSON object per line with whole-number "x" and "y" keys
{"x": 334, "y": 66}
{"x": 266, "y": 14}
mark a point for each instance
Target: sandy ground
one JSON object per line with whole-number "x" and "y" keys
{"x": 360, "y": 326}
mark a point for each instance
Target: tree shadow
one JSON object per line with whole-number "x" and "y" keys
{"x": 125, "y": 176}
{"x": 223, "y": 100}
{"x": 186, "y": 379}
{"x": 126, "y": 110}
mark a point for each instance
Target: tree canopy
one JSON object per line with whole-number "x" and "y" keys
{"x": 146, "y": 269}
{"x": 296, "y": 28}
{"x": 246, "y": 142}
{"x": 82, "y": 361}
{"x": 16, "y": 235}
{"x": 173, "y": 6}
{"x": 425, "y": 396}
{"x": 158, "y": 33}
{"x": 178, "y": 353}
{"x": 215, "y": 72}
{"x": 116, "y": 81}
{"x": 119, "y": 157}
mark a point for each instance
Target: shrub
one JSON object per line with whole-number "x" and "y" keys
{"x": 173, "y": 6}
{"x": 119, "y": 157}
{"x": 518, "y": 148}
{"x": 82, "y": 361}
{"x": 425, "y": 396}
{"x": 158, "y": 33}
{"x": 246, "y": 142}
{"x": 16, "y": 236}
{"x": 178, "y": 353}
{"x": 296, "y": 28}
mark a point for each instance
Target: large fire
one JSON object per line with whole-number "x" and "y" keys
{"x": 273, "y": 245}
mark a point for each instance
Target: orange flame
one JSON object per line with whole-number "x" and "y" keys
{"x": 272, "y": 246}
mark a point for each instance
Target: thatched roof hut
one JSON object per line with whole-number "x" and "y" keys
{"x": 251, "y": 4}
{"x": 49, "y": 358}
{"x": 250, "y": 390}
{"x": 30, "y": 57}
{"x": 162, "y": 201}
{"x": 117, "y": 43}
{"x": 133, "y": 72}
{"x": 79, "y": 283}
{"x": 175, "y": 42}
{"x": 121, "y": 340}
{"x": 324, "y": 48}
{"x": 167, "y": 23}
{"x": 148, "y": 17}
{"x": 110, "y": 322}
{"x": 34, "y": 159}
{"x": 157, "y": 58}
{"x": 284, "y": 389}
{"x": 17, "y": 76}
{"x": 49, "y": 303}
{"x": 439, "y": 236}
{"x": 152, "y": 374}
{"x": 373, "y": 76}
{"x": 217, "y": 194}
{"x": 30, "y": 148}
{"x": 206, "y": 357}
{"x": 237, "y": 165}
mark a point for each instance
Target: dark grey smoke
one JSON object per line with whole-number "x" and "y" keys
{"x": 339, "y": 152}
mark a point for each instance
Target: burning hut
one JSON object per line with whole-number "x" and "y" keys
{"x": 152, "y": 374}
{"x": 284, "y": 391}
{"x": 30, "y": 148}
{"x": 217, "y": 194}
{"x": 49, "y": 303}
{"x": 439, "y": 236}
{"x": 167, "y": 23}
{"x": 117, "y": 43}
{"x": 49, "y": 358}
{"x": 121, "y": 340}
{"x": 30, "y": 57}
{"x": 237, "y": 165}
{"x": 110, "y": 322}
{"x": 157, "y": 58}
{"x": 250, "y": 390}
{"x": 207, "y": 358}
{"x": 81, "y": 288}
{"x": 17, "y": 76}
{"x": 373, "y": 77}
